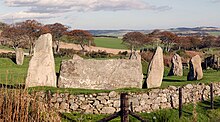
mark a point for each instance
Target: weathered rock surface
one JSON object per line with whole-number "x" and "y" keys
{"x": 177, "y": 67}
{"x": 77, "y": 57}
{"x": 135, "y": 56}
{"x": 155, "y": 70}
{"x": 100, "y": 74}
{"x": 211, "y": 62}
{"x": 19, "y": 56}
{"x": 195, "y": 70}
{"x": 41, "y": 71}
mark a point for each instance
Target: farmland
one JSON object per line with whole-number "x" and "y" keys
{"x": 114, "y": 43}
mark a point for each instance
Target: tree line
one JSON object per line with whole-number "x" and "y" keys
{"x": 24, "y": 34}
{"x": 169, "y": 40}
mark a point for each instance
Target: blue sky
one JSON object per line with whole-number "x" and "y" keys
{"x": 114, "y": 14}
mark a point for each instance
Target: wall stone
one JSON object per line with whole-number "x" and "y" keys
{"x": 108, "y": 103}
{"x": 100, "y": 74}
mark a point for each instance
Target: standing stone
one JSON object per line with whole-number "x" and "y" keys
{"x": 177, "y": 67}
{"x": 41, "y": 71}
{"x": 195, "y": 69}
{"x": 19, "y": 56}
{"x": 155, "y": 70}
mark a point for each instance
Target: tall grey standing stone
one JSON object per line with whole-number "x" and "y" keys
{"x": 100, "y": 74}
{"x": 195, "y": 69}
{"x": 19, "y": 56}
{"x": 177, "y": 67}
{"x": 155, "y": 70}
{"x": 41, "y": 71}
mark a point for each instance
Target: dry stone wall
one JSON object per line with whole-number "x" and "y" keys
{"x": 108, "y": 103}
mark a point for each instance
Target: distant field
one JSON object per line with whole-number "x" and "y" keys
{"x": 214, "y": 33}
{"x": 114, "y": 43}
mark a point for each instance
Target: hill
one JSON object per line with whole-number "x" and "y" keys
{"x": 180, "y": 30}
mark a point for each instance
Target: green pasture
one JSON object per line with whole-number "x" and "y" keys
{"x": 113, "y": 43}
{"x": 11, "y": 74}
{"x": 214, "y": 33}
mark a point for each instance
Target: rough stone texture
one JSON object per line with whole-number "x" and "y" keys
{"x": 211, "y": 62}
{"x": 77, "y": 57}
{"x": 41, "y": 71}
{"x": 135, "y": 56}
{"x": 100, "y": 74}
{"x": 19, "y": 56}
{"x": 195, "y": 70}
{"x": 155, "y": 70}
{"x": 108, "y": 103}
{"x": 177, "y": 67}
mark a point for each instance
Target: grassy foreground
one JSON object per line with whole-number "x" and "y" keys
{"x": 201, "y": 113}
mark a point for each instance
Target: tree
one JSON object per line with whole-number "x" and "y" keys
{"x": 209, "y": 41}
{"x": 3, "y": 26}
{"x": 57, "y": 30}
{"x": 15, "y": 37}
{"x": 183, "y": 42}
{"x": 195, "y": 41}
{"x": 134, "y": 40}
{"x": 167, "y": 39}
{"x": 81, "y": 37}
{"x": 153, "y": 39}
{"x": 217, "y": 41}
{"x": 32, "y": 30}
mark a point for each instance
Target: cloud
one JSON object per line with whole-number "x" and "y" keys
{"x": 215, "y": 1}
{"x": 25, "y": 15}
{"x": 54, "y": 6}
{"x": 44, "y": 9}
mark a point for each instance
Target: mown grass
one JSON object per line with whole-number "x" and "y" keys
{"x": 203, "y": 111}
{"x": 113, "y": 43}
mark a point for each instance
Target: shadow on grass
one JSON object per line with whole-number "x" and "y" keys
{"x": 207, "y": 105}
{"x": 186, "y": 113}
{"x": 16, "y": 86}
{"x": 13, "y": 60}
{"x": 66, "y": 118}
{"x": 173, "y": 80}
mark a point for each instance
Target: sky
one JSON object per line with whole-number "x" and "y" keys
{"x": 114, "y": 14}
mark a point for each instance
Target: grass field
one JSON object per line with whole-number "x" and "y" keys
{"x": 6, "y": 48}
{"x": 214, "y": 33}
{"x": 203, "y": 111}
{"x": 114, "y": 43}
{"x": 10, "y": 73}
